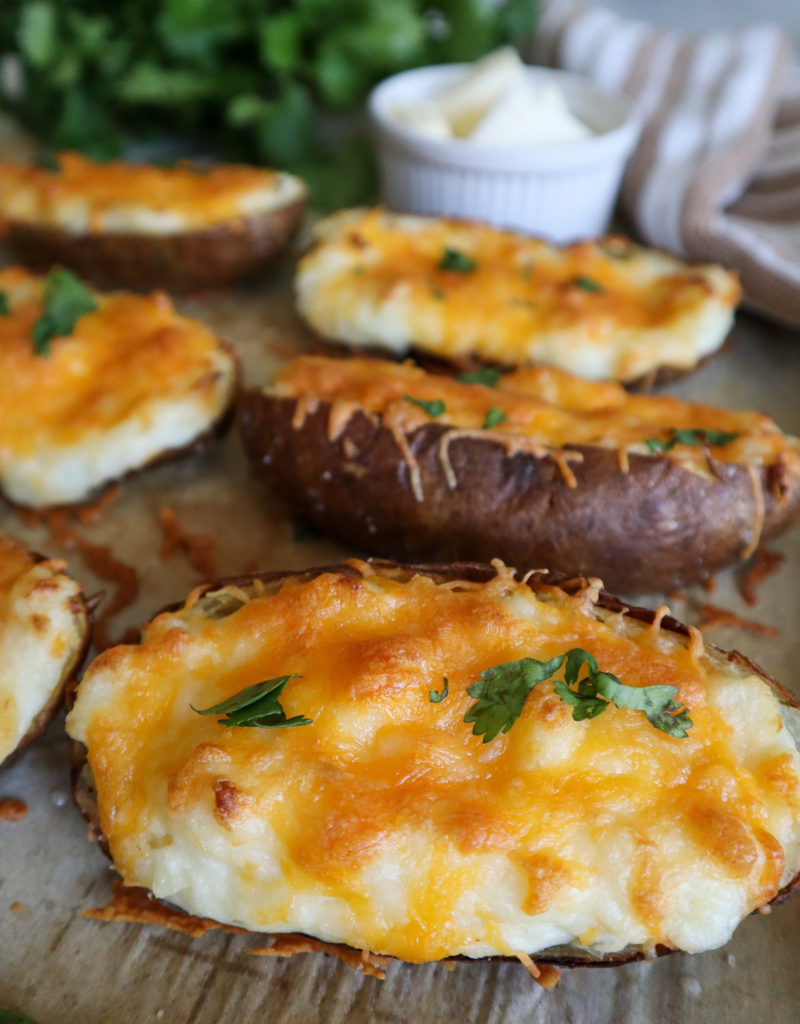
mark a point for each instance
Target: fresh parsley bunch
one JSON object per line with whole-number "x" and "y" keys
{"x": 244, "y": 79}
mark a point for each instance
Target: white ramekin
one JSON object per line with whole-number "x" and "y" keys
{"x": 563, "y": 192}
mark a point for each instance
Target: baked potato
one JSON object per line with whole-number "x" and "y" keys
{"x": 469, "y": 294}
{"x": 545, "y": 470}
{"x": 434, "y": 761}
{"x": 139, "y": 226}
{"x": 44, "y": 633}
{"x": 94, "y": 386}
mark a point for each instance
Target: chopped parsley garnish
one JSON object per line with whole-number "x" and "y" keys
{"x": 488, "y": 376}
{"x": 588, "y": 284}
{"x": 454, "y": 259}
{"x": 494, "y": 417}
{"x": 437, "y": 293}
{"x": 66, "y": 299}
{"x": 256, "y": 705}
{"x": 434, "y": 408}
{"x": 5, "y": 308}
{"x": 501, "y": 692}
{"x": 680, "y": 436}
{"x": 437, "y": 698}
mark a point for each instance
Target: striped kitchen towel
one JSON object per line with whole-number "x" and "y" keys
{"x": 716, "y": 174}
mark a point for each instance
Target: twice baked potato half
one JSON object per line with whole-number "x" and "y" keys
{"x": 427, "y": 762}
{"x": 545, "y": 470}
{"x": 468, "y": 293}
{"x": 44, "y": 633}
{"x": 94, "y": 386}
{"x": 139, "y": 226}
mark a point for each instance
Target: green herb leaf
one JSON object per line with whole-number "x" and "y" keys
{"x": 681, "y": 436}
{"x": 434, "y": 408}
{"x": 66, "y": 299}
{"x": 5, "y": 308}
{"x": 494, "y": 417}
{"x": 256, "y": 706}
{"x": 502, "y": 691}
{"x": 488, "y": 376}
{"x": 588, "y": 284}
{"x": 437, "y": 293}
{"x": 454, "y": 259}
{"x": 437, "y": 698}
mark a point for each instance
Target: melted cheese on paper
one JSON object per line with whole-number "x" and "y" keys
{"x": 83, "y": 196}
{"x": 133, "y": 380}
{"x": 386, "y": 824}
{"x": 548, "y": 407}
{"x": 41, "y": 631}
{"x": 602, "y": 310}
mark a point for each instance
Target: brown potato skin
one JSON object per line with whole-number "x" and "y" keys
{"x": 85, "y": 795}
{"x": 193, "y": 261}
{"x": 656, "y": 527}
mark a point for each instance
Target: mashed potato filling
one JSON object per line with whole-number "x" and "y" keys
{"x": 133, "y": 380}
{"x": 41, "y": 632}
{"x": 607, "y": 309}
{"x": 386, "y": 824}
{"x": 83, "y": 196}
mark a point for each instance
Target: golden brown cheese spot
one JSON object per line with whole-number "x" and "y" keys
{"x": 725, "y": 837}
{"x": 774, "y": 863}
{"x": 132, "y": 352}
{"x": 780, "y": 774}
{"x": 202, "y": 196}
{"x": 647, "y": 890}
{"x": 545, "y": 876}
{"x": 227, "y": 801}
{"x": 381, "y": 766}
{"x": 550, "y": 407}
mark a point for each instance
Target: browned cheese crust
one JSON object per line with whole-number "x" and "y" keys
{"x": 194, "y": 260}
{"x": 136, "y": 905}
{"x": 657, "y": 526}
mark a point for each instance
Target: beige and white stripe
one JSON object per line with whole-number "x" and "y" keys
{"x": 716, "y": 174}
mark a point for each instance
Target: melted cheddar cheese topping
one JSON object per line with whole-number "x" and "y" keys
{"x": 602, "y": 310}
{"x": 546, "y": 406}
{"x": 84, "y": 196}
{"x": 41, "y": 632}
{"x": 132, "y": 380}
{"x": 386, "y": 824}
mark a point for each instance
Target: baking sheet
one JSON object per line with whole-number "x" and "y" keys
{"x": 63, "y": 969}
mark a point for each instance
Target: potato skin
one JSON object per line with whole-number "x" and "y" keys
{"x": 656, "y": 527}
{"x": 191, "y": 261}
{"x": 85, "y": 794}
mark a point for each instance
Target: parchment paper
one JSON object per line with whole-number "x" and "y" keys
{"x": 62, "y": 969}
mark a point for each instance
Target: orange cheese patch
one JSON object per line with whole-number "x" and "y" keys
{"x": 388, "y": 797}
{"x": 547, "y": 406}
{"x": 129, "y": 354}
{"x": 458, "y": 289}
{"x": 200, "y": 196}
